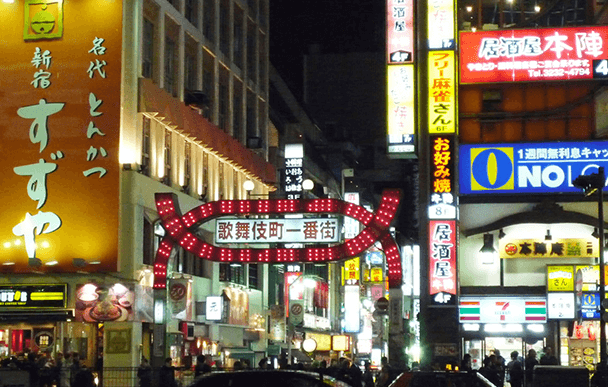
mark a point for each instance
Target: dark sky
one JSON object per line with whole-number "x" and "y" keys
{"x": 338, "y": 25}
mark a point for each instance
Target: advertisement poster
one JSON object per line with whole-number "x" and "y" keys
{"x": 104, "y": 303}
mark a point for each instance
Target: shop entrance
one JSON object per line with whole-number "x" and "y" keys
{"x": 480, "y": 348}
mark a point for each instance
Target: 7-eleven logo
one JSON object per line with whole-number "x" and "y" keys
{"x": 502, "y": 305}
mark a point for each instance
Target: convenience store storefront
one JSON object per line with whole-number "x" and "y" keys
{"x": 503, "y": 323}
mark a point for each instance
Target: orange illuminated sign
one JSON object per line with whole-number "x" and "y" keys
{"x": 442, "y": 92}
{"x": 59, "y": 136}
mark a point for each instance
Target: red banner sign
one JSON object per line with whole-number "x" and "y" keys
{"x": 442, "y": 257}
{"x": 399, "y": 31}
{"x": 534, "y": 55}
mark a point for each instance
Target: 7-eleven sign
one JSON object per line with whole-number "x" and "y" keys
{"x": 503, "y": 310}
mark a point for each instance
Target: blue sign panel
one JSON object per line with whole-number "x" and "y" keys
{"x": 590, "y": 305}
{"x": 528, "y": 168}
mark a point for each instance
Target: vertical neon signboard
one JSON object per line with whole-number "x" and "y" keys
{"x": 400, "y": 110}
{"x": 442, "y": 92}
{"x": 442, "y": 204}
{"x": 442, "y": 264}
{"x": 399, "y": 31}
{"x": 441, "y": 25}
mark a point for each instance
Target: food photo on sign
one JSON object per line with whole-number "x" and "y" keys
{"x": 97, "y": 303}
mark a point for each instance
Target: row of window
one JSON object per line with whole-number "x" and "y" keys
{"x": 235, "y": 98}
{"x": 176, "y": 161}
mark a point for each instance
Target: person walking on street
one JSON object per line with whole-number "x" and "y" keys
{"x": 465, "y": 364}
{"x": 547, "y": 358}
{"x": 368, "y": 377}
{"x": 530, "y": 363}
{"x": 515, "y": 372}
{"x": 144, "y": 373}
{"x": 202, "y": 365}
{"x": 167, "y": 374}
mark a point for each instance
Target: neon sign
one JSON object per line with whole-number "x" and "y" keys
{"x": 534, "y": 55}
{"x": 180, "y": 230}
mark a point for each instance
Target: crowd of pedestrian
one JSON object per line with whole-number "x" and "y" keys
{"x": 45, "y": 371}
{"x": 516, "y": 372}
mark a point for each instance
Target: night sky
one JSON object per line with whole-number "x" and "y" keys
{"x": 338, "y": 25}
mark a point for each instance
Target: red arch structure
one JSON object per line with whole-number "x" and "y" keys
{"x": 180, "y": 231}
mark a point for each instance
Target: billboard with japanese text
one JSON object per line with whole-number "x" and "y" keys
{"x": 442, "y": 262}
{"x": 289, "y": 230}
{"x": 399, "y": 31}
{"x": 442, "y": 92}
{"x": 545, "y": 54}
{"x": 528, "y": 167}
{"x": 401, "y": 110}
{"x": 59, "y": 134}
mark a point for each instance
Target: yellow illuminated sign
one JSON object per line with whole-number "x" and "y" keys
{"x": 560, "y": 278}
{"x": 400, "y": 110}
{"x": 442, "y": 92}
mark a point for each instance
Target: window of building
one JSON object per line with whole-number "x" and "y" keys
{"x": 225, "y": 27}
{"x": 209, "y": 20}
{"x": 145, "y": 145}
{"x": 148, "y": 243}
{"x": 251, "y": 52}
{"x": 147, "y": 57}
{"x": 190, "y": 67}
{"x": 159, "y": 234}
{"x": 263, "y": 12}
{"x": 221, "y": 182}
{"x": 171, "y": 56}
{"x": 253, "y": 8}
{"x": 261, "y": 118}
{"x": 205, "y": 176}
{"x": 251, "y": 121}
{"x": 191, "y": 12}
{"x": 262, "y": 62}
{"x": 208, "y": 83}
{"x": 235, "y": 183}
{"x": 492, "y": 100}
{"x": 252, "y": 271}
{"x": 223, "y": 119}
{"x": 237, "y": 109}
{"x": 168, "y": 155}
{"x": 174, "y": 3}
{"x": 232, "y": 272}
{"x": 170, "y": 70}
{"x": 187, "y": 166}
{"x": 237, "y": 39}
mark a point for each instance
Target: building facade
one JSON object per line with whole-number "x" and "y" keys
{"x": 124, "y": 100}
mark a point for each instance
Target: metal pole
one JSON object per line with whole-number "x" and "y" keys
{"x": 600, "y": 211}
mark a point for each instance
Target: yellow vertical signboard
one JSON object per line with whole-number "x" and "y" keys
{"x": 442, "y": 92}
{"x": 400, "y": 109}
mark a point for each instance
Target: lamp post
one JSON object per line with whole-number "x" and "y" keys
{"x": 589, "y": 184}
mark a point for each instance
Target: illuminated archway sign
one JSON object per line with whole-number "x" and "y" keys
{"x": 180, "y": 229}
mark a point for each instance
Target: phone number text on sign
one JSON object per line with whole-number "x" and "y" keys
{"x": 524, "y": 55}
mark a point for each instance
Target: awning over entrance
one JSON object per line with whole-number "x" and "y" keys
{"x": 174, "y": 113}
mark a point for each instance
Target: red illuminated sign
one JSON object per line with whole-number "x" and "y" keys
{"x": 442, "y": 205}
{"x": 181, "y": 230}
{"x": 442, "y": 261}
{"x": 534, "y": 55}
{"x": 399, "y": 31}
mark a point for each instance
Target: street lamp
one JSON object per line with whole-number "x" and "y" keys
{"x": 589, "y": 184}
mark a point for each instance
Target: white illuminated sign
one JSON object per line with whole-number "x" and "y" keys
{"x": 291, "y": 230}
{"x": 214, "y": 306}
{"x": 351, "y": 309}
{"x": 560, "y": 306}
